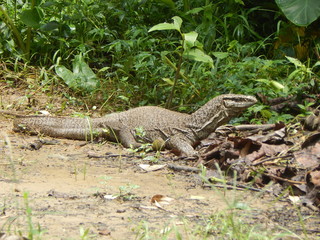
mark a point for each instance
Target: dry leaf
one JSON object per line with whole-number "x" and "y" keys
{"x": 109, "y": 197}
{"x": 149, "y": 168}
{"x": 161, "y": 199}
{"x": 197, "y": 197}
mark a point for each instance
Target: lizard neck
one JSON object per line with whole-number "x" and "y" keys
{"x": 218, "y": 111}
{"x": 208, "y": 118}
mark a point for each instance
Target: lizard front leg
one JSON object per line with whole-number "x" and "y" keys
{"x": 183, "y": 145}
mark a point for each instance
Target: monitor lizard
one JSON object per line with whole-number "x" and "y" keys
{"x": 179, "y": 131}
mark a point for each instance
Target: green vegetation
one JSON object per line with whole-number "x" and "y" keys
{"x": 230, "y": 224}
{"x": 112, "y": 52}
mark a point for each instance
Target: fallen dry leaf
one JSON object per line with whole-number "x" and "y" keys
{"x": 308, "y": 157}
{"x": 197, "y": 197}
{"x": 109, "y": 197}
{"x": 161, "y": 199}
{"x": 150, "y": 168}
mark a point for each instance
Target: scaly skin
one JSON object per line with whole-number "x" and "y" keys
{"x": 179, "y": 130}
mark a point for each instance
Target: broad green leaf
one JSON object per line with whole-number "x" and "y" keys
{"x": 169, "y": 3}
{"x": 168, "y": 80}
{"x": 198, "y": 55}
{"x": 124, "y": 98}
{"x": 221, "y": 55}
{"x": 294, "y": 74}
{"x": 177, "y": 21}
{"x": 300, "y": 12}
{"x": 295, "y": 61}
{"x": 37, "y": 2}
{"x": 176, "y": 25}
{"x": 163, "y": 26}
{"x": 83, "y": 72}
{"x": 49, "y": 4}
{"x": 239, "y": 1}
{"x": 31, "y": 18}
{"x": 276, "y": 85}
{"x": 257, "y": 108}
{"x": 66, "y": 75}
{"x": 266, "y": 113}
{"x": 190, "y": 39}
{"x": 273, "y": 84}
{"x": 50, "y": 26}
{"x": 263, "y": 80}
{"x": 82, "y": 78}
{"x": 195, "y": 10}
{"x": 104, "y": 69}
{"x": 316, "y": 64}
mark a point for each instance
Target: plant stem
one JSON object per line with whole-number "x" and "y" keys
{"x": 4, "y": 15}
{"x": 176, "y": 77}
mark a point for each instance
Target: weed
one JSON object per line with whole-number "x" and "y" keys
{"x": 125, "y": 192}
{"x": 104, "y": 182}
{"x": 84, "y": 234}
{"x": 223, "y": 225}
{"x": 33, "y": 233}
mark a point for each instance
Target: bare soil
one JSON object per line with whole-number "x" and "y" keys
{"x": 66, "y": 193}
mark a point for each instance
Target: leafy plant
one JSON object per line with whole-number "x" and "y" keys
{"x": 190, "y": 48}
{"x": 303, "y": 73}
{"x": 125, "y": 192}
{"x": 300, "y": 12}
{"x": 31, "y": 18}
{"x": 81, "y": 79}
{"x": 305, "y": 109}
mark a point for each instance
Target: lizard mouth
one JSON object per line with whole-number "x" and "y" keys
{"x": 239, "y": 102}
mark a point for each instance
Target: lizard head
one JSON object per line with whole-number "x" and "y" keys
{"x": 218, "y": 111}
{"x": 236, "y": 103}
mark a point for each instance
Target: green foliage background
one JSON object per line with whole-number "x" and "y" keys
{"x": 103, "y": 50}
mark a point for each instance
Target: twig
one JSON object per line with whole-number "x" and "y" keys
{"x": 183, "y": 168}
{"x": 270, "y": 159}
{"x": 112, "y": 155}
{"x": 283, "y": 179}
{"x": 239, "y": 187}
